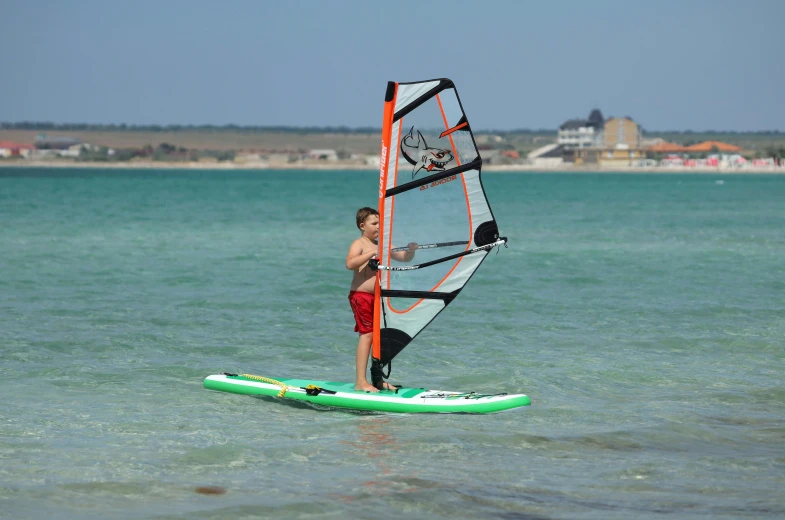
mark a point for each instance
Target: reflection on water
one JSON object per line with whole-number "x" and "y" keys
{"x": 376, "y": 442}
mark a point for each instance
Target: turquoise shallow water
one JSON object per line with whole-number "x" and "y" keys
{"x": 644, "y": 315}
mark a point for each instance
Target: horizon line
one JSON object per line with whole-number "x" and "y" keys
{"x": 48, "y": 125}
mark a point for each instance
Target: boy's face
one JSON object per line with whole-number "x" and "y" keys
{"x": 370, "y": 227}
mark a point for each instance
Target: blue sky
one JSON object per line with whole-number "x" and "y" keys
{"x": 689, "y": 64}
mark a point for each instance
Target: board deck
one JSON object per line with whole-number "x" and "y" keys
{"x": 343, "y": 395}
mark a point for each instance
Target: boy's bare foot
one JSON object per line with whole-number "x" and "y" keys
{"x": 366, "y": 387}
{"x": 388, "y": 386}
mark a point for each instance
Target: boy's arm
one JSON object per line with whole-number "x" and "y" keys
{"x": 405, "y": 256}
{"x": 356, "y": 259}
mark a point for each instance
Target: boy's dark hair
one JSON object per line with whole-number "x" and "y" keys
{"x": 364, "y": 213}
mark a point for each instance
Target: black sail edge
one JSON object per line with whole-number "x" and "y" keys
{"x": 475, "y": 164}
{"x": 443, "y": 85}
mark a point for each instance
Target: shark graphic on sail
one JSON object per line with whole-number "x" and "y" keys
{"x": 428, "y": 158}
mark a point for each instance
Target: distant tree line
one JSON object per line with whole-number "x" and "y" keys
{"x": 49, "y": 126}
{"x": 647, "y": 133}
{"x": 89, "y": 127}
{"x": 713, "y": 132}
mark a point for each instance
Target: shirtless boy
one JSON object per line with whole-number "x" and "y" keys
{"x": 361, "y": 292}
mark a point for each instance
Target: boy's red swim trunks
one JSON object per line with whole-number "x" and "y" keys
{"x": 362, "y": 305}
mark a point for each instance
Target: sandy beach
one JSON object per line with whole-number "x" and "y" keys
{"x": 347, "y": 165}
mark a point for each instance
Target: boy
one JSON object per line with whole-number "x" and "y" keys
{"x": 361, "y": 292}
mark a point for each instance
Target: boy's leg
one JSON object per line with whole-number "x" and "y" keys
{"x": 361, "y": 363}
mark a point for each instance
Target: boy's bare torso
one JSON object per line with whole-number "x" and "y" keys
{"x": 364, "y": 278}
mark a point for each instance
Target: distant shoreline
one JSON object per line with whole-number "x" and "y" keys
{"x": 341, "y": 166}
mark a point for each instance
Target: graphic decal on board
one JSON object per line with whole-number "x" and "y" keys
{"x": 421, "y": 156}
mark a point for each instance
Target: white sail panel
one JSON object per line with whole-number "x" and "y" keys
{"x": 411, "y": 92}
{"x": 412, "y": 322}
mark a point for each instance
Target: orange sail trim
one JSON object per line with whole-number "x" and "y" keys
{"x": 465, "y": 194}
{"x": 453, "y": 129}
{"x": 458, "y": 161}
{"x": 448, "y": 132}
{"x": 463, "y": 180}
{"x": 389, "y": 239}
{"x": 392, "y": 205}
{"x": 392, "y": 212}
{"x": 387, "y": 122}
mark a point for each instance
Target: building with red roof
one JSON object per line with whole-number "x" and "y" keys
{"x": 713, "y": 146}
{"x": 12, "y": 149}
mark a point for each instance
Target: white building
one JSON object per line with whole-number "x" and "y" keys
{"x": 76, "y": 149}
{"x": 582, "y": 133}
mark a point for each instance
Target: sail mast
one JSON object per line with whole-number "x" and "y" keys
{"x": 384, "y": 155}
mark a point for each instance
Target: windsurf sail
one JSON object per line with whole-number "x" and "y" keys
{"x": 435, "y": 224}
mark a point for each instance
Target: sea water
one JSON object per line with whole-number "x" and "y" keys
{"x": 643, "y": 314}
